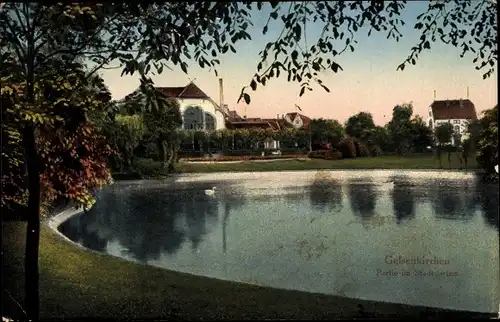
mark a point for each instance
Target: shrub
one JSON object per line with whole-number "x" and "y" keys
{"x": 245, "y": 158}
{"x": 347, "y": 148}
{"x": 325, "y": 155}
{"x": 375, "y": 151}
{"x": 361, "y": 149}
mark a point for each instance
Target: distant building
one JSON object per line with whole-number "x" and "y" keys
{"x": 458, "y": 112}
{"x": 198, "y": 110}
{"x": 289, "y": 120}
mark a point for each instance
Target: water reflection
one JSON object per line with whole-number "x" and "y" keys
{"x": 403, "y": 198}
{"x": 149, "y": 224}
{"x": 453, "y": 199}
{"x": 362, "y": 197}
{"x": 325, "y": 194}
{"x": 488, "y": 202}
{"x": 248, "y": 234}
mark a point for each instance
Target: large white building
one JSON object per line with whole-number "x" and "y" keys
{"x": 458, "y": 112}
{"x": 198, "y": 110}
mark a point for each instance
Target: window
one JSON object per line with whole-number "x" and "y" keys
{"x": 457, "y": 129}
{"x": 430, "y": 124}
{"x": 193, "y": 118}
{"x": 456, "y": 121}
{"x": 430, "y": 114}
{"x": 209, "y": 122}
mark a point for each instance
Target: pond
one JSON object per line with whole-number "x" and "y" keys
{"x": 422, "y": 238}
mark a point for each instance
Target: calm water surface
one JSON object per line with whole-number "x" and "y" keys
{"x": 427, "y": 239}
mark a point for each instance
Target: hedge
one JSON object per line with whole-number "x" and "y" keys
{"x": 325, "y": 154}
{"x": 245, "y": 158}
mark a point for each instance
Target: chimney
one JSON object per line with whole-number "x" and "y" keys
{"x": 221, "y": 92}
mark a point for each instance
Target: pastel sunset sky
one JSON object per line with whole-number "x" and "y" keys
{"x": 369, "y": 80}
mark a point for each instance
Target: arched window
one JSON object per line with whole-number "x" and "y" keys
{"x": 457, "y": 129}
{"x": 209, "y": 122}
{"x": 193, "y": 118}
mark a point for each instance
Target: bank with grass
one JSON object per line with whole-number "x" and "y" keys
{"x": 147, "y": 168}
{"x": 77, "y": 283}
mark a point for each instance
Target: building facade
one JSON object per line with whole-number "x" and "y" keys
{"x": 198, "y": 110}
{"x": 458, "y": 112}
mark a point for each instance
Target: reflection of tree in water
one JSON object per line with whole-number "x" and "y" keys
{"x": 77, "y": 229}
{"x": 403, "y": 199}
{"x": 148, "y": 221}
{"x": 362, "y": 198}
{"x": 231, "y": 203}
{"x": 198, "y": 208}
{"x": 325, "y": 194}
{"x": 488, "y": 202}
{"x": 452, "y": 199}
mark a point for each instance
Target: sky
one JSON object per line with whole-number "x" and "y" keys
{"x": 369, "y": 81}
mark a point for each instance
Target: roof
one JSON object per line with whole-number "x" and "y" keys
{"x": 305, "y": 119}
{"x": 233, "y": 115}
{"x": 188, "y": 91}
{"x": 453, "y": 109}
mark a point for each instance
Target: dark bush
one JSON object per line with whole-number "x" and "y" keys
{"x": 361, "y": 148}
{"x": 375, "y": 151}
{"x": 347, "y": 148}
{"x": 325, "y": 154}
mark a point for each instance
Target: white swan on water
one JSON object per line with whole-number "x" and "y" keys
{"x": 210, "y": 192}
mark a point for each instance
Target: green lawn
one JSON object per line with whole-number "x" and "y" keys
{"x": 381, "y": 162}
{"x": 75, "y": 283}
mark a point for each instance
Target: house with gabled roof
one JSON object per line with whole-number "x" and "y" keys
{"x": 198, "y": 110}
{"x": 458, "y": 112}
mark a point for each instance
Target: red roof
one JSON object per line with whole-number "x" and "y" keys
{"x": 453, "y": 109}
{"x": 188, "y": 91}
{"x": 305, "y": 119}
{"x": 233, "y": 115}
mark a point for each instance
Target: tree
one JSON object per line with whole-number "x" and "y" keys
{"x": 147, "y": 36}
{"x": 487, "y": 146}
{"x": 162, "y": 119}
{"x": 360, "y": 126}
{"x": 444, "y": 133}
{"x": 400, "y": 127}
{"x": 379, "y": 140}
{"x": 329, "y": 131}
{"x": 421, "y": 134}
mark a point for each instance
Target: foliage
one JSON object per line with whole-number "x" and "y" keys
{"x": 72, "y": 155}
{"x": 360, "y": 126}
{"x": 322, "y": 130}
{"x": 375, "y": 150}
{"x": 362, "y": 149}
{"x": 487, "y": 140}
{"x": 400, "y": 127}
{"x": 325, "y": 155}
{"x": 470, "y": 25}
{"x": 128, "y": 132}
{"x": 444, "y": 133}
{"x": 246, "y": 158}
{"x": 347, "y": 148}
{"x": 380, "y": 139}
{"x": 421, "y": 134}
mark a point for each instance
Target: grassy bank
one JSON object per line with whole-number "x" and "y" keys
{"x": 75, "y": 283}
{"x": 381, "y": 162}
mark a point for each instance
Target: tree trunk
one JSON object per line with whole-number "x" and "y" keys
{"x": 449, "y": 159}
{"x": 163, "y": 152}
{"x": 33, "y": 224}
{"x": 439, "y": 156}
